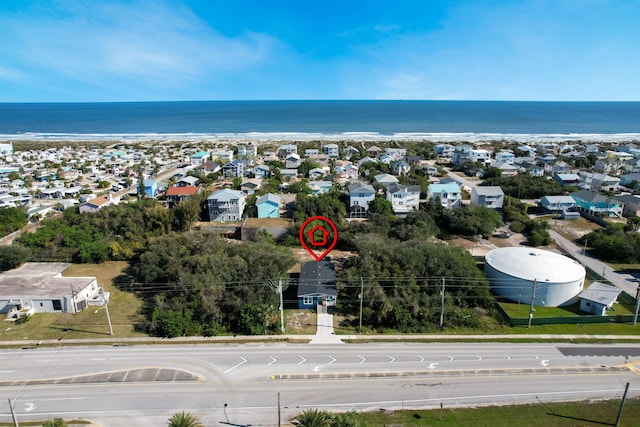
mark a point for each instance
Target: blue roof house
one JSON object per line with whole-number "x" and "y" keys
{"x": 150, "y": 187}
{"x": 268, "y": 206}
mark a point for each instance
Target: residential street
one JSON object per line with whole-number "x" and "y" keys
{"x": 626, "y": 282}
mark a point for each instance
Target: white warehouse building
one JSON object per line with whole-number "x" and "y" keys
{"x": 514, "y": 272}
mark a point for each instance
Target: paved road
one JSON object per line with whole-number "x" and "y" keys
{"x": 336, "y": 377}
{"x": 626, "y": 282}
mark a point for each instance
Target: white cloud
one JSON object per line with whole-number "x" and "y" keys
{"x": 140, "y": 41}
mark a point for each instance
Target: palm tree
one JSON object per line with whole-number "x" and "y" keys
{"x": 312, "y": 418}
{"x": 184, "y": 419}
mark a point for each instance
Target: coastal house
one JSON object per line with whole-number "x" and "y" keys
{"x": 385, "y": 179}
{"x": 444, "y": 151}
{"x": 268, "y": 206}
{"x": 317, "y": 285}
{"x": 188, "y": 181}
{"x": 210, "y": 167}
{"x": 491, "y": 197}
{"x": 557, "y": 204}
{"x": 598, "y": 181}
{"x": 404, "y": 199}
{"x": 233, "y": 169}
{"x": 568, "y": 179}
{"x": 320, "y": 186}
{"x": 308, "y": 152}
{"x": 448, "y": 195}
{"x": 399, "y": 167}
{"x": 176, "y": 195}
{"x": 480, "y": 155}
{"x": 365, "y": 160}
{"x": 221, "y": 156}
{"x": 292, "y": 161}
{"x": 331, "y": 150}
{"x": 631, "y": 204}
{"x": 360, "y": 195}
{"x": 200, "y": 158}
{"x": 597, "y": 204}
{"x": 630, "y": 179}
{"x": 250, "y": 150}
{"x": 347, "y": 171}
{"x": 505, "y": 156}
{"x": 261, "y": 171}
{"x": 150, "y": 187}
{"x": 286, "y": 149}
{"x": 250, "y": 186}
{"x": 226, "y": 205}
{"x": 318, "y": 173}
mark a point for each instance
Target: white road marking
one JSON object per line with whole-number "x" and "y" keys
{"x": 317, "y": 368}
{"x": 451, "y": 358}
{"x": 433, "y": 365}
{"x": 544, "y": 362}
{"x": 362, "y": 360}
{"x": 302, "y": 360}
{"x": 421, "y": 359}
{"x": 479, "y": 357}
{"x": 28, "y": 407}
{"x": 333, "y": 359}
{"x": 391, "y": 359}
{"x": 6, "y": 372}
{"x": 273, "y": 360}
{"x": 235, "y": 366}
{"x": 508, "y": 357}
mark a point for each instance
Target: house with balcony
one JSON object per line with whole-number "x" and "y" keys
{"x": 631, "y": 204}
{"x": 448, "y": 195}
{"x": 200, "y": 158}
{"x": 233, "y": 169}
{"x": 360, "y": 195}
{"x": 557, "y": 204}
{"x": 491, "y": 197}
{"x": 597, "y": 204}
{"x": 599, "y": 182}
{"x": 226, "y": 205}
{"x": 331, "y": 150}
{"x": 403, "y": 198}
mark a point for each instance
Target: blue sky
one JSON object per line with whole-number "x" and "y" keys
{"x": 148, "y": 50}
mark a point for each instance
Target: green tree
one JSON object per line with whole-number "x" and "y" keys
{"x": 184, "y": 419}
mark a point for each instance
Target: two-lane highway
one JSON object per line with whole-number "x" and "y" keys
{"x": 340, "y": 377}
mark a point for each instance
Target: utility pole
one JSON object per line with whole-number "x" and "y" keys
{"x": 73, "y": 300}
{"x": 533, "y": 297}
{"x": 281, "y": 319}
{"x": 635, "y": 316}
{"x": 13, "y": 414}
{"x": 624, "y": 398}
{"x": 361, "y": 298}
{"x": 106, "y": 309}
{"x": 279, "y": 418}
{"x": 442, "y": 305}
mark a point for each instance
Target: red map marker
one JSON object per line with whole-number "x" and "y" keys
{"x": 321, "y": 234}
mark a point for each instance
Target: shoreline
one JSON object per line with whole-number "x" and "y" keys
{"x": 263, "y": 138}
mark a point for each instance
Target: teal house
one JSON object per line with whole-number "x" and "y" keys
{"x": 268, "y": 206}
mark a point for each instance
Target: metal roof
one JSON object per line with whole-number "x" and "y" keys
{"x": 317, "y": 278}
{"x": 535, "y": 264}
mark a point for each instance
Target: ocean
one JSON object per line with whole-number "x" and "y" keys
{"x": 328, "y": 120}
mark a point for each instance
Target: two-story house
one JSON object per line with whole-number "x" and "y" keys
{"x": 404, "y": 199}
{"x": 448, "y": 195}
{"x": 226, "y": 205}
{"x": 491, "y": 197}
{"x": 359, "y": 197}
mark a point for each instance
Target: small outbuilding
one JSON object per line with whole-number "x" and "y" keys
{"x": 317, "y": 285}
{"x": 598, "y": 298}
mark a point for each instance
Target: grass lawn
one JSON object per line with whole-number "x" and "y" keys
{"x": 124, "y": 309}
{"x": 574, "y": 414}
